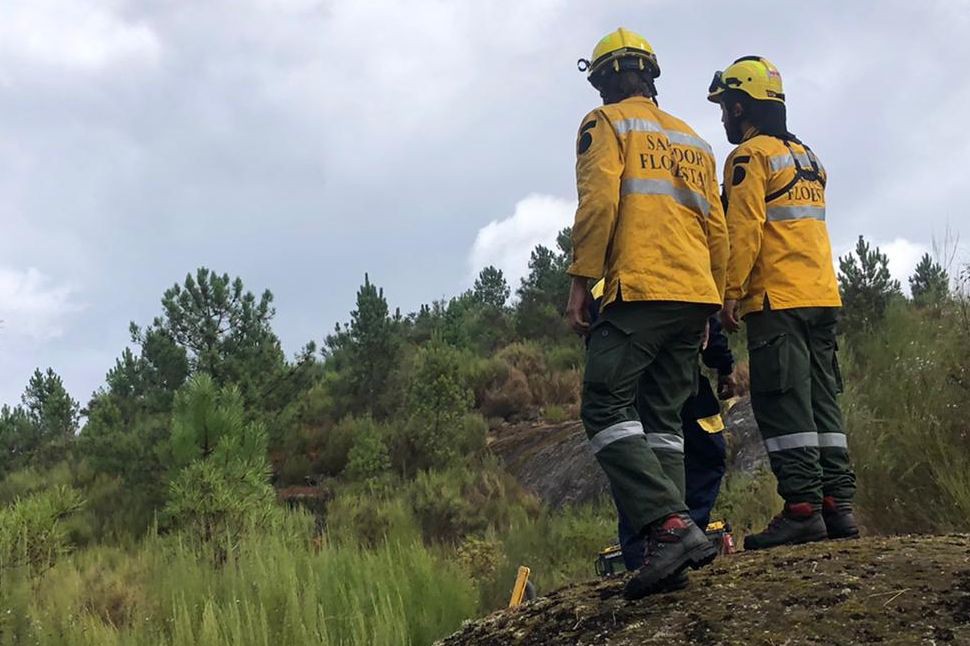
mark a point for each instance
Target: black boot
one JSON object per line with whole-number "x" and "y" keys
{"x": 800, "y": 522}
{"x": 839, "y": 519}
{"x": 673, "y": 545}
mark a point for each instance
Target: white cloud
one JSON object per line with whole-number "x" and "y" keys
{"x": 903, "y": 255}
{"x": 86, "y": 35}
{"x": 507, "y": 243}
{"x": 32, "y": 308}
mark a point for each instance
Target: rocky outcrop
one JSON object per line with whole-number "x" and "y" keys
{"x": 554, "y": 462}
{"x": 901, "y": 590}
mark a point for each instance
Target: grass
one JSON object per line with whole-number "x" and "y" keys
{"x": 907, "y": 406}
{"x": 291, "y": 589}
{"x": 277, "y": 590}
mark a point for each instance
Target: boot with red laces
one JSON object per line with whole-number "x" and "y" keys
{"x": 673, "y": 544}
{"x": 839, "y": 519}
{"x": 800, "y": 522}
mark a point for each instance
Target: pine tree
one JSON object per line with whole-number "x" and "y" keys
{"x": 545, "y": 290}
{"x": 867, "y": 287}
{"x": 223, "y": 330}
{"x": 930, "y": 284}
{"x": 220, "y": 472}
{"x": 366, "y": 352}
{"x": 491, "y": 289}
{"x": 49, "y": 406}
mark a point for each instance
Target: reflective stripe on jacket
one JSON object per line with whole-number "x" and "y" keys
{"x": 779, "y": 242}
{"x": 649, "y": 218}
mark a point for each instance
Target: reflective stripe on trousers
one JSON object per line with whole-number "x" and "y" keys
{"x": 804, "y": 212}
{"x": 661, "y": 441}
{"x": 681, "y": 194}
{"x": 829, "y": 440}
{"x": 665, "y": 442}
{"x": 613, "y": 433}
{"x": 806, "y": 440}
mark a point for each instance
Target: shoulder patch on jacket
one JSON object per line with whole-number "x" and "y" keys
{"x": 585, "y": 137}
{"x": 739, "y": 175}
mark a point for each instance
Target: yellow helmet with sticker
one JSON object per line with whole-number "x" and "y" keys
{"x": 618, "y": 51}
{"x": 753, "y": 75}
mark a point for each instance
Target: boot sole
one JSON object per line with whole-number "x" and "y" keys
{"x": 695, "y": 559}
{"x": 800, "y": 541}
{"x": 701, "y": 556}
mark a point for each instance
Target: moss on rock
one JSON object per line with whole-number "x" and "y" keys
{"x": 901, "y": 590}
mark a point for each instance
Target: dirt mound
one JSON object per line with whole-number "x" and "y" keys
{"x": 903, "y": 590}
{"x": 554, "y": 461}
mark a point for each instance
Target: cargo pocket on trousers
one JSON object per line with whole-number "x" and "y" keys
{"x": 836, "y": 371}
{"x": 608, "y": 348}
{"x": 770, "y": 366}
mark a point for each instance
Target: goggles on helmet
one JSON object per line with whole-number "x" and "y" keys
{"x": 721, "y": 83}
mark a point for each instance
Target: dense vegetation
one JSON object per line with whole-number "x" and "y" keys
{"x": 219, "y": 492}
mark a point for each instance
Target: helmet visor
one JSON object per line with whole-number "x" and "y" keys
{"x": 719, "y": 84}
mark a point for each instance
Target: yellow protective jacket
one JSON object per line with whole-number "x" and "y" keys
{"x": 649, "y": 219}
{"x": 780, "y": 250}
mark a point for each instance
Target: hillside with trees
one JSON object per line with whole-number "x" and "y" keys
{"x": 214, "y": 490}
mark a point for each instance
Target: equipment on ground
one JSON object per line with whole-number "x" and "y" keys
{"x": 755, "y": 76}
{"x": 610, "y": 559}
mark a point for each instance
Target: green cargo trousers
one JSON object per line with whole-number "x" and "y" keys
{"x": 794, "y": 383}
{"x": 642, "y": 355}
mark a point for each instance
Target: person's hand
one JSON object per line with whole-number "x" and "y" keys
{"x": 706, "y": 336}
{"x": 726, "y": 386}
{"x": 730, "y": 315}
{"x": 577, "y": 310}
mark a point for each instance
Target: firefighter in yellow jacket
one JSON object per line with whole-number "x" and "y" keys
{"x": 650, "y": 222}
{"x": 781, "y": 281}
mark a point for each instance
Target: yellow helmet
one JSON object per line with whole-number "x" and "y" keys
{"x": 620, "y": 50}
{"x": 753, "y": 75}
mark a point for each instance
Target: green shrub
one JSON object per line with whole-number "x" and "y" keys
{"x": 295, "y": 469}
{"x": 368, "y": 517}
{"x": 438, "y": 399}
{"x": 369, "y": 458}
{"x": 566, "y": 357}
{"x": 524, "y": 356}
{"x": 32, "y": 531}
{"x": 463, "y": 501}
{"x": 472, "y": 434}
{"x": 481, "y": 374}
{"x": 557, "y": 414}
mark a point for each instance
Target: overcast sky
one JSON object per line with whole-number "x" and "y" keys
{"x": 301, "y": 143}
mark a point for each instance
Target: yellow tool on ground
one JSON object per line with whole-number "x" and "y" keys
{"x": 521, "y": 588}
